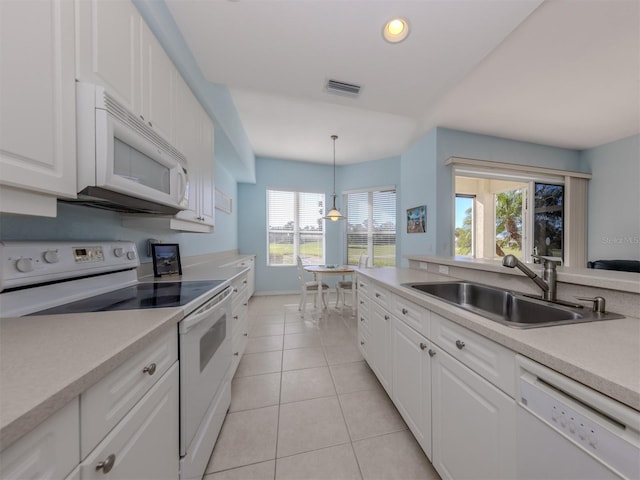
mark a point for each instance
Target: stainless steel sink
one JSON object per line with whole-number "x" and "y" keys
{"x": 507, "y": 307}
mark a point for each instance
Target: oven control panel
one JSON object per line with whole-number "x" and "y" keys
{"x": 32, "y": 263}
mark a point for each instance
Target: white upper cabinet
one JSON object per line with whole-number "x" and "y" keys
{"x": 108, "y": 49}
{"x": 37, "y": 105}
{"x": 158, "y": 78}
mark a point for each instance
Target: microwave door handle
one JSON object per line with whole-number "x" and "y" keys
{"x": 182, "y": 180}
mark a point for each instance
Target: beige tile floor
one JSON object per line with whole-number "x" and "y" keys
{"x": 305, "y": 405}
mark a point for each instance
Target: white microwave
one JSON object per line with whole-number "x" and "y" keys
{"x": 123, "y": 164}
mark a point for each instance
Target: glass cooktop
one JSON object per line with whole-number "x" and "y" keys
{"x": 141, "y": 295}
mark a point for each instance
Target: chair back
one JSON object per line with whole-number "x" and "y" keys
{"x": 300, "y": 270}
{"x": 362, "y": 261}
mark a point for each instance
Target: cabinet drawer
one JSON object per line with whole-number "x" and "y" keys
{"x": 413, "y": 315}
{"x": 146, "y": 442}
{"x": 364, "y": 312}
{"x": 239, "y": 343}
{"x": 380, "y": 295}
{"x": 107, "y": 402}
{"x": 239, "y": 313}
{"x": 362, "y": 284}
{"x": 240, "y": 287}
{"x": 490, "y": 360}
{"x": 48, "y": 451}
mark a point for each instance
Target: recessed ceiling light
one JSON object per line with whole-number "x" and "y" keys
{"x": 395, "y": 30}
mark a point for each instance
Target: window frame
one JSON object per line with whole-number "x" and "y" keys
{"x": 370, "y": 216}
{"x": 296, "y": 224}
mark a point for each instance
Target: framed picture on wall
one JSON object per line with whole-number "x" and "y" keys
{"x": 166, "y": 259}
{"x": 417, "y": 219}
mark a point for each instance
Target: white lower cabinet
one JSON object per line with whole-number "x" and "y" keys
{"x": 473, "y": 423}
{"x": 412, "y": 381}
{"x": 453, "y": 387}
{"x": 380, "y": 343}
{"x": 145, "y": 443}
{"x": 49, "y": 451}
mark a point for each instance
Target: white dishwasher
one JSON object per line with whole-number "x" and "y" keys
{"x": 566, "y": 430}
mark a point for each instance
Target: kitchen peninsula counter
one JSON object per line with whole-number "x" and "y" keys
{"x": 603, "y": 355}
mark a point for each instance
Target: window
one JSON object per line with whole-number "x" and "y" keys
{"x": 371, "y": 226}
{"x": 464, "y": 228}
{"x": 294, "y": 227}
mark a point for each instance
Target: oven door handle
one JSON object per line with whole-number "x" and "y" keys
{"x": 202, "y": 312}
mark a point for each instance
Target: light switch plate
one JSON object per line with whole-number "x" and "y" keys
{"x": 443, "y": 269}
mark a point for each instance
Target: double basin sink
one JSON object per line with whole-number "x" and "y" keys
{"x": 507, "y": 307}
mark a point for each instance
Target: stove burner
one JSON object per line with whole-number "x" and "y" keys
{"x": 135, "y": 297}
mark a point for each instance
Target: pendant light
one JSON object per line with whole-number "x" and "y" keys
{"x": 334, "y": 214}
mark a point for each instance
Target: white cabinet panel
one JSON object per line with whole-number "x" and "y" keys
{"x": 108, "y": 48}
{"x": 412, "y": 381}
{"x": 158, "y": 78}
{"x": 145, "y": 444}
{"x": 37, "y": 101}
{"x": 381, "y": 337}
{"x": 474, "y": 429}
{"x": 50, "y": 451}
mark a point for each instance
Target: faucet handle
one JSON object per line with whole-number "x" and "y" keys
{"x": 599, "y": 303}
{"x": 546, "y": 261}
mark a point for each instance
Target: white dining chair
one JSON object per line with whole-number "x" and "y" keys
{"x": 343, "y": 286}
{"x": 309, "y": 286}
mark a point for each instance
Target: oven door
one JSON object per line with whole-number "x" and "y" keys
{"x": 205, "y": 357}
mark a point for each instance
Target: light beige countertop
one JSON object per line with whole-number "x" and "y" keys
{"x": 603, "y": 355}
{"x": 46, "y": 361}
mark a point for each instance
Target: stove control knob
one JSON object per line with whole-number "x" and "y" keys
{"x": 131, "y": 255}
{"x": 51, "y": 256}
{"x": 118, "y": 252}
{"x": 24, "y": 265}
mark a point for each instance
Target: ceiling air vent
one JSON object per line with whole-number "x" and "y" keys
{"x": 342, "y": 88}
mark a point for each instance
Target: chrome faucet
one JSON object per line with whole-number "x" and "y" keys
{"x": 548, "y": 281}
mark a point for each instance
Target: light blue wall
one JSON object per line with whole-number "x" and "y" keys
{"x": 285, "y": 174}
{"x": 76, "y": 222}
{"x": 418, "y": 184}
{"x": 614, "y": 200}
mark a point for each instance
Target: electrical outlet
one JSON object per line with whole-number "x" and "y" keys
{"x": 443, "y": 269}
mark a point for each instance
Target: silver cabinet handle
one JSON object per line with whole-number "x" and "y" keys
{"x": 361, "y": 302}
{"x": 107, "y": 465}
{"x": 362, "y": 319}
{"x": 361, "y": 342}
{"x": 405, "y": 311}
{"x": 150, "y": 369}
{"x": 235, "y": 317}
{"x": 423, "y": 346}
{"x": 460, "y": 344}
{"x": 432, "y": 352}
{"x": 236, "y": 354}
{"x": 386, "y": 317}
{"x": 245, "y": 334}
{"x": 377, "y": 295}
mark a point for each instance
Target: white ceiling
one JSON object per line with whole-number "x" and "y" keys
{"x": 562, "y": 73}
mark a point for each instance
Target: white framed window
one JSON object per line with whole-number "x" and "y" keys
{"x": 295, "y": 227}
{"x": 371, "y": 226}
{"x": 521, "y": 210}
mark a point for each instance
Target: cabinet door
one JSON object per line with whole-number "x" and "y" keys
{"x": 158, "y": 78}
{"x": 412, "y": 381}
{"x": 145, "y": 444}
{"x": 108, "y": 49}
{"x": 473, "y": 423}
{"x": 37, "y": 101}
{"x": 381, "y": 344}
{"x": 206, "y": 171}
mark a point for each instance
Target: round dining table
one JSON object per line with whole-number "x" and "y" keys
{"x": 320, "y": 270}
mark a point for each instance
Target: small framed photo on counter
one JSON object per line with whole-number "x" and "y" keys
{"x": 166, "y": 259}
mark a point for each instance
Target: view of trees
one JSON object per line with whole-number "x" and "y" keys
{"x": 509, "y": 223}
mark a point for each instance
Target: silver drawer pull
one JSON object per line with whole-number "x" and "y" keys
{"x": 386, "y": 317}
{"x": 361, "y": 342}
{"x": 236, "y": 354}
{"x": 460, "y": 344}
{"x": 377, "y": 295}
{"x": 107, "y": 464}
{"x": 361, "y": 302}
{"x": 362, "y": 319}
{"x": 405, "y": 311}
{"x": 423, "y": 346}
{"x": 245, "y": 334}
{"x": 432, "y": 352}
{"x": 150, "y": 369}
